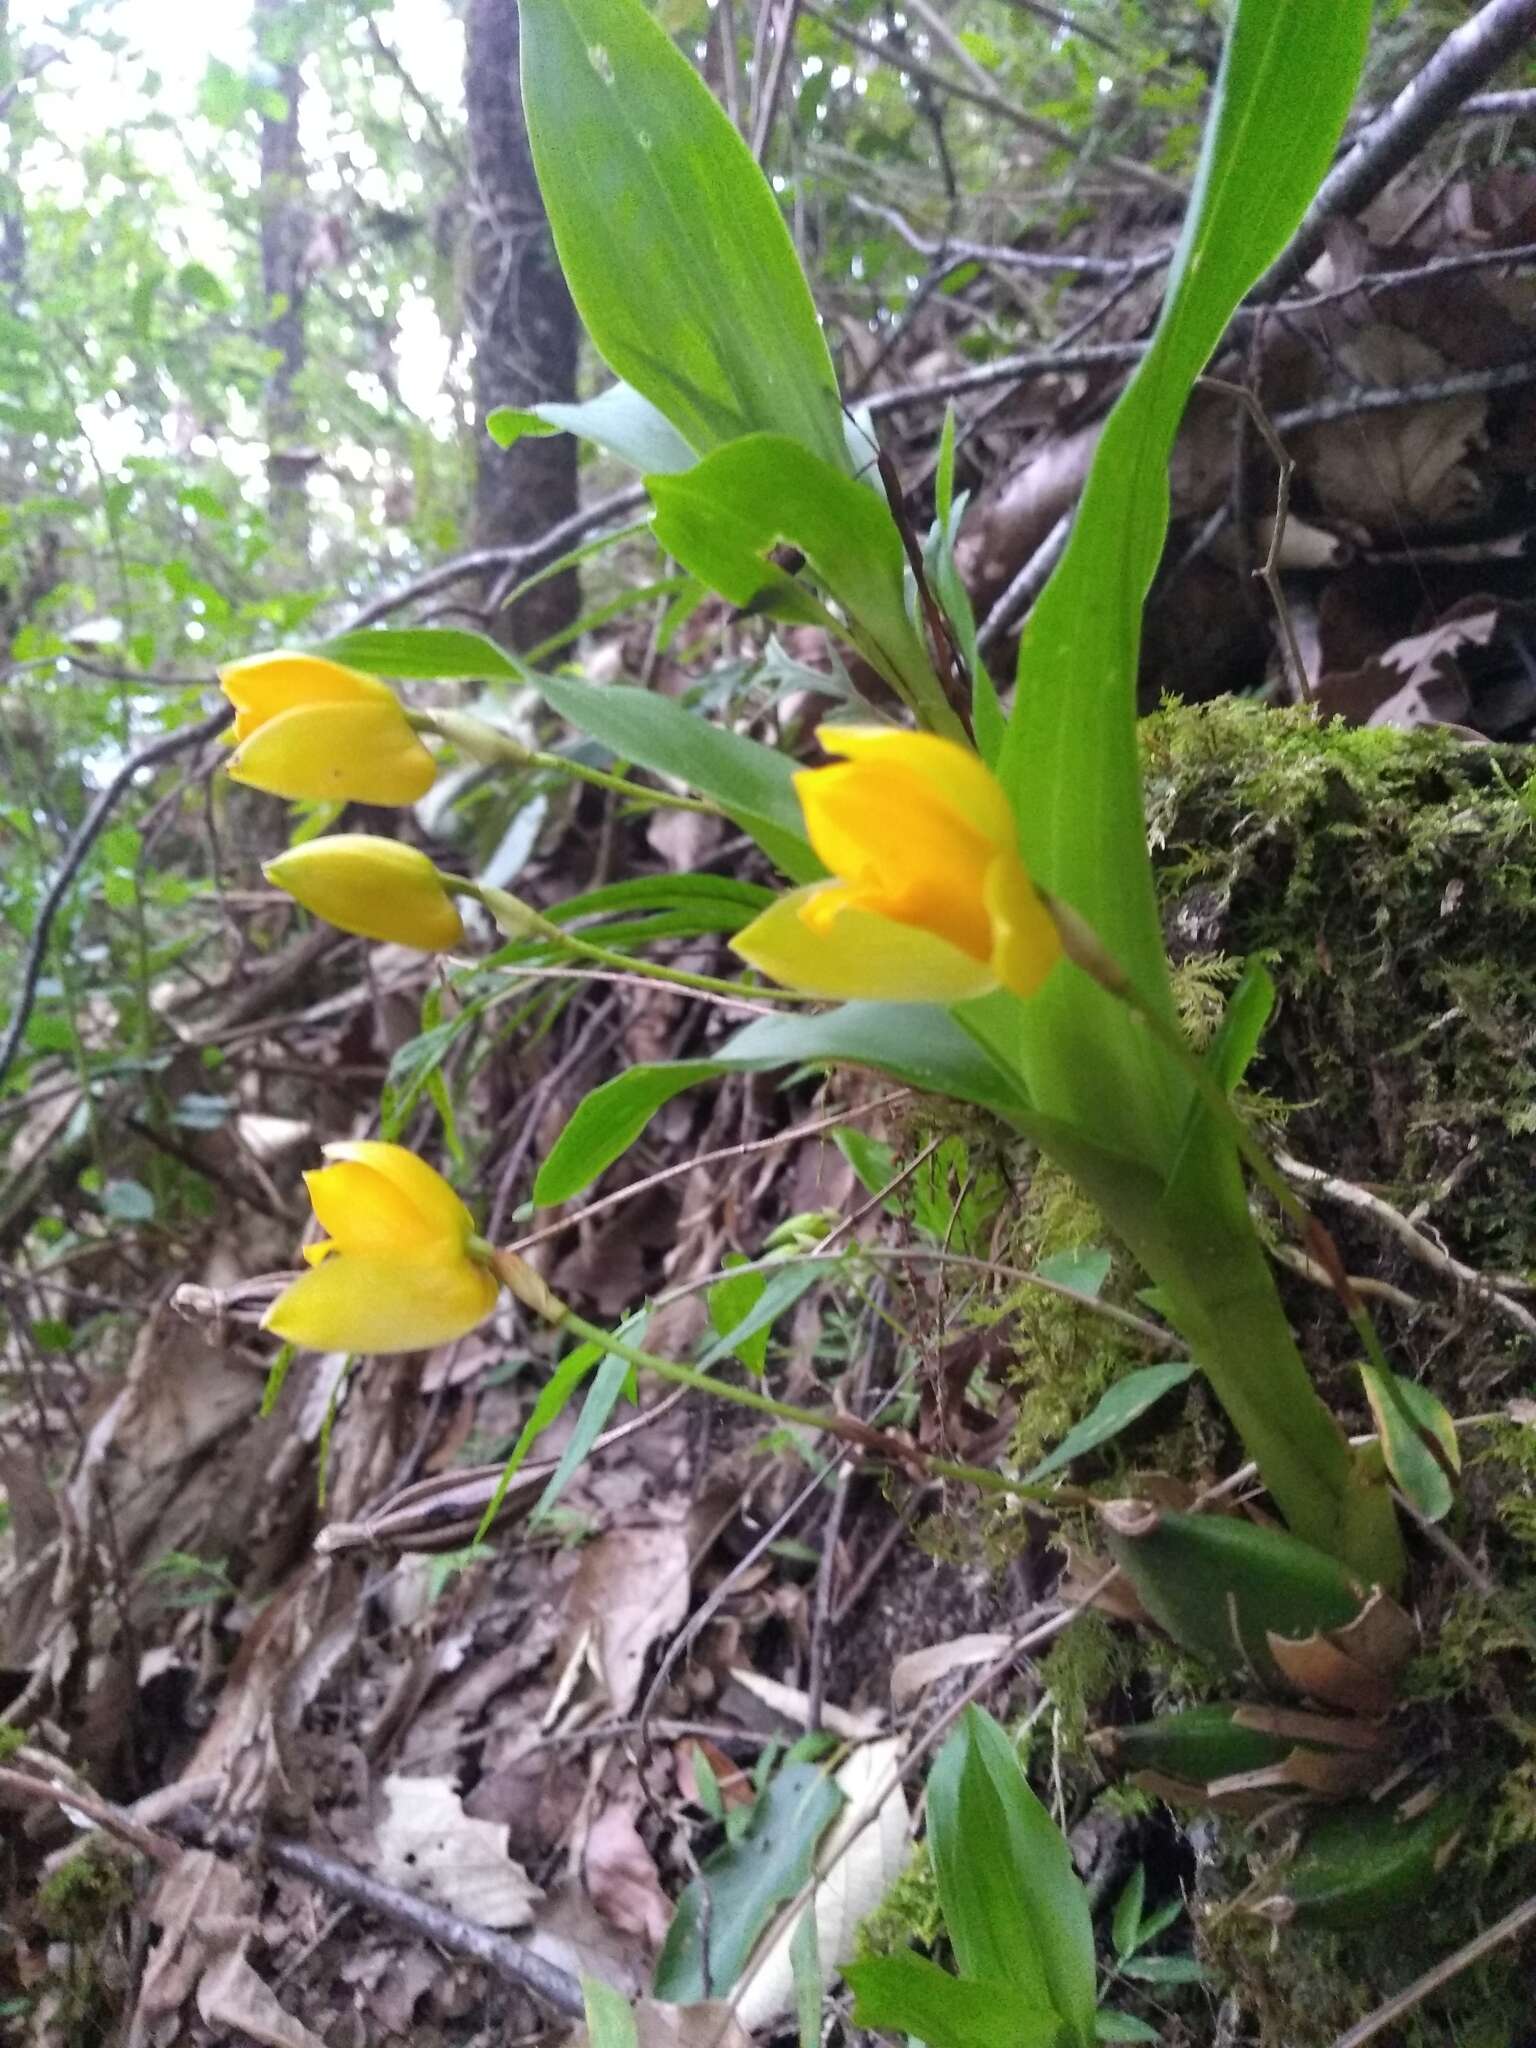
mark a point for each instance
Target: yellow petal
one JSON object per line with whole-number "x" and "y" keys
{"x": 422, "y": 1186}
{"x": 331, "y": 753}
{"x": 1025, "y": 942}
{"x": 263, "y": 685}
{"x": 316, "y": 1254}
{"x": 961, "y": 779}
{"x": 377, "y": 1304}
{"x": 374, "y": 887}
{"x": 362, "y": 1211}
{"x": 900, "y": 848}
{"x": 844, "y": 951}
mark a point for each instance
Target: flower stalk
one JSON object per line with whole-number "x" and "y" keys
{"x": 528, "y": 1287}
{"x": 494, "y": 748}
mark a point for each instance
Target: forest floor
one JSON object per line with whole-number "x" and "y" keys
{"x": 291, "y": 1756}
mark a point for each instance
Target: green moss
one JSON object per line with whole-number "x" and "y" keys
{"x": 11, "y": 1739}
{"x": 79, "y": 1900}
{"x": 908, "y": 1913}
{"x": 1389, "y": 880}
{"x": 1082, "y": 1671}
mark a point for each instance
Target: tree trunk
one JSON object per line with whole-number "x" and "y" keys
{"x": 522, "y": 321}
{"x": 284, "y": 235}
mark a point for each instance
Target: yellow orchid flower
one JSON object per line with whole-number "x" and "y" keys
{"x": 374, "y": 887}
{"x": 310, "y": 728}
{"x": 397, "y": 1271}
{"x": 929, "y": 901}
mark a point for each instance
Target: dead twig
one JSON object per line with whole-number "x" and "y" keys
{"x": 767, "y": 110}
{"x": 91, "y": 827}
{"x": 1480, "y": 1945}
{"x": 1052, "y": 261}
{"x": 521, "y": 560}
{"x": 1465, "y": 60}
{"x": 112, "y": 1820}
{"x": 716, "y": 1158}
{"x": 1268, "y": 571}
{"x": 1492, "y": 1288}
{"x": 506, "y": 1959}
{"x": 1393, "y": 398}
{"x": 994, "y": 103}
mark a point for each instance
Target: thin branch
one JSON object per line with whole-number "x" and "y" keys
{"x": 90, "y": 830}
{"x": 1009, "y": 258}
{"x": 993, "y": 103}
{"x": 509, "y": 1960}
{"x": 1378, "y": 281}
{"x": 746, "y": 1150}
{"x": 1269, "y": 569}
{"x": 111, "y": 1819}
{"x": 1423, "y": 1248}
{"x": 1027, "y": 585}
{"x": 434, "y": 119}
{"x": 1106, "y": 355}
{"x": 1054, "y": 18}
{"x": 1464, "y": 61}
{"x": 1498, "y": 106}
{"x": 778, "y": 71}
{"x": 524, "y": 558}
{"x": 1432, "y": 1981}
{"x": 1392, "y": 398}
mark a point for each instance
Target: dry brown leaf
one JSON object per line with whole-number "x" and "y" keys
{"x": 1373, "y": 695}
{"x": 1382, "y": 1635}
{"x": 734, "y": 1783}
{"x": 1388, "y": 470}
{"x": 1320, "y": 1669}
{"x": 631, "y": 1590}
{"x": 569, "y": 1931}
{"x": 621, "y": 1877}
{"x": 428, "y": 1844}
{"x": 232, "y": 1996}
{"x": 1338, "y": 1730}
{"x": 206, "y": 1910}
{"x": 709, "y": 2024}
{"x": 919, "y": 1669}
{"x": 793, "y": 1706}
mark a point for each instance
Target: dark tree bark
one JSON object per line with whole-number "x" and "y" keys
{"x": 284, "y": 236}
{"x": 522, "y": 321}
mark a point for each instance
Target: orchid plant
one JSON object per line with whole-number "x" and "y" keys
{"x": 969, "y": 881}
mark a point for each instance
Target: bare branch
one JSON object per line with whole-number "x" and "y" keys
{"x": 91, "y": 827}
{"x": 1462, "y": 63}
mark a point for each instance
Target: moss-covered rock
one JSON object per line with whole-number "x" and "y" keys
{"x": 1388, "y": 881}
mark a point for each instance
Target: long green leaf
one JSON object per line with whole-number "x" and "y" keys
{"x": 1013, "y": 1905}
{"x": 424, "y": 654}
{"x": 751, "y": 781}
{"x": 1125, "y": 1402}
{"x": 610, "y": 2021}
{"x": 915, "y": 1042}
{"x": 1069, "y": 758}
{"x": 671, "y": 240}
{"x": 604, "y": 1124}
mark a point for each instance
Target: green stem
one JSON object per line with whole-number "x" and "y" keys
{"x": 509, "y": 1268}
{"x": 499, "y": 750}
{"x": 518, "y": 921}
